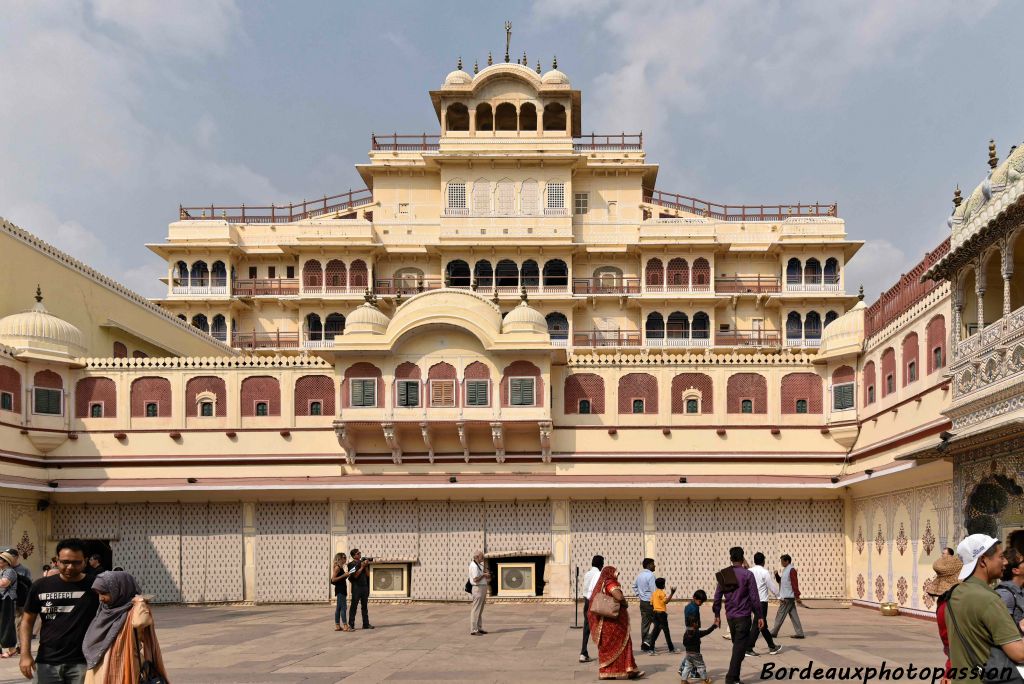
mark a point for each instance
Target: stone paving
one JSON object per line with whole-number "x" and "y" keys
{"x": 527, "y": 643}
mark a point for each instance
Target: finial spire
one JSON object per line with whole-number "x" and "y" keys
{"x": 490, "y": 59}
{"x": 523, "y": 295}
{"x": 39, "y": 294}
{"x": 368, "y": 297}
{"x": 495, "y": 298}
{"x": 554, "y": 62}
{"x": 508, "y": 39}
{"x": 860, "y": 294}
{"x": 957, "y": 199}
{"x": 538, "y": 66}
{"x": 993, "y": 160}
{"x": 476, "y": 67}
{"x": 526, "y": 62}
{"x": 459, "y": 67}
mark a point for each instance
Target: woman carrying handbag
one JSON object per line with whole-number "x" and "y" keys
{"x": 609, "y": 627}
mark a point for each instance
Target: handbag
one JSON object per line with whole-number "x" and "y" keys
{"x": 604, "y": 605}
{"x": 148, "y": 674}
{"x": 998, "y": 662}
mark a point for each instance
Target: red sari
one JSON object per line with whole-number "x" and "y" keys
{"x": 614, "y": 645}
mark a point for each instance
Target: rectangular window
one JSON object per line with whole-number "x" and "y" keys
{"x": 638, "y": 406}
{"x": 152, "y": 409}
{"x": 403, "y": 207}
{"x": 842, "y": 396}
{"x": 252, "y": 273}
{"x": 47, "y": 401}
{"x": 442, "y": 393}
{"x": 271, "y": 271}
{"x": 364, "y": 392}
{"x": 408, "y": 393}
{"x": 890, "y": 384}
{"x": 871, "y": 394}
{"x": 456, "y": 195}
{"x": 261, "y": 408}
{"x": 580, "y": 202}
{"x": 520, "y": 392}
{"x": 96, "y": 410}
{"x": 556, "y": 196}
{"x": 801, "y": 406}
{"x": 290, "y": 271}
{"x": 316, "y": 408}
{"x": 937, "y": 358}
{"x": 912, "y": 371}
{"x": 746, "y": 406}
{"x": 6, "y": 401}
{"x": 478, "y": 392}
{"x": 206, "y": 409}
{"x": 692, "y": 406}
{"x": 584, "y": 406}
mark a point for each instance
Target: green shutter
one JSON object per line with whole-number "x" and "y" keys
{"x": 521, "y": 392}
{"x": 842, "y": 397}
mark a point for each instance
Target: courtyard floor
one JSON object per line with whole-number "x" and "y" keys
{"x": 527, "y": 643}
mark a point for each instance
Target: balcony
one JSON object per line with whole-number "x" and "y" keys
{"x": 260, "y": 340}
{"x": 815, "y": 284}
{"x": 622, "y": 142}
{"x": 737, "y": 212}
{"x": 606, "y": 338}
{"x": 531, "y": 286}
{"x": 747, "y": 338}
{"x": 757, "y": 284}
{"x": 679, "y": 342}
{"x": 670, "y": 288}
{"x": 266, "y": 287}
{"x": 278, "y": 213}
{"x": 353, "y": 288}
{"x": 813, "y": 342}
{"x": 317, "y": 341}
{"x": 405, "y": 286}
{"x": 556, "y": 211}
{"x": 206, "y": 287}
{"x": 423, "y": 142}
{"x": 605, "y": 286}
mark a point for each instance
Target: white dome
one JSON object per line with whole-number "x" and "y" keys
{"x": 458, "y": 77}
{"x": 524, "y": 318}
{"x": 40, "y": 332}
{"x": 554, "y": 77}
{"x": 844, "y": 333}
{"x": 367, "y": 319}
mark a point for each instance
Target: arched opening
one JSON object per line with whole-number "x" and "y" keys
{"x": 554, "y": 117}
{"x": 336, "y": 276}
{"x": 969, "y": 302}
{"x": 794, "y": 327}
{"x": 607, "y": 278}
{"x": 993, "y": 298}
{"x": 505, "y": 117}
{"x": 181, "y": 273}
{"x": 457, "y": 117}
{"x": 335, "y": 325}
{"x": 678, "y": 327}
{"x": 529, "y": 198}
{"x": 530, "y": 274}
{"x": 505, "y": 198}
{"x": 528, "y": 117}
{"x": 183, "y": 317}
{"x": 558, "y": 325}
{"x": 484, "y": 117}
{"x": 830, "y": 316}
{"x": 312, "y": 275}
{"x": 701, "y": 275}
{"x": 507, "y": 274}
{"x": 793, "y": 271}
{"x": 219, "y": 329}
{"x": 678, "y": 275}
{"x": 812, "y": 272}
{"x": 655, "y": 274}
{"x": 218, "y": 274}
{"x": 556, "y": 274}
{"x": 481, "y": 197}
{"x": 357, "y": 274}
{"x": 701, "y": 328}
{"x": 831, "y": 271}
{"x": 457, "y": 273}
{"x": 200, "y": 321}
{"x": 483, "y": 275}
{"x": 1017, "y": 281}
{"x": 314, "y": 328}
{"x": 654, "y": 329}
{"x": 200, "y": 275}
{"x": 408, "y": 280}
{"x": 812, "y": 326}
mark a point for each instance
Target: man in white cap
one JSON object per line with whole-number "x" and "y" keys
{"x": 976, "y": 618}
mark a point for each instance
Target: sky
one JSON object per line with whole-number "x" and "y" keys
{"x": 116, "y": 111}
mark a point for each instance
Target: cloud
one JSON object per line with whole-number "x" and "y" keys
{"x": 190, "y": 28}
{"x": 877, "y": 266}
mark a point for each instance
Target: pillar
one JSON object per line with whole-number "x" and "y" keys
{"x": 980, "y": 292}
{"x": 650, "y": 529}
{"x": 339, "y": 525}
{"x": 249, "y": 551}
{"x": 560, "y": 575}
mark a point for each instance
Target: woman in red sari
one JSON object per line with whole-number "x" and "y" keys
{"x": 614, "y": 645}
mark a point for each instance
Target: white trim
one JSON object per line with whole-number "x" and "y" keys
{"x": 531, "y": 378}
{"x": 147, "y": 403}
{"x": 255, "y": 408}
{"x": 32, "y": 396}
{"x": 419, "y": 393}
{"x": 352, "y": 403}
{"x": 465, "y": 392}
{"x": 103, "y": 409}
{"x": 430, "y": 392}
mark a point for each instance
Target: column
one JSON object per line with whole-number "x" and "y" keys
{"x": 979, "y": 289}
{"x": 339, "y": 525}
{"x": 650, "y": 529}
{"x": 1007, "y": 277}
{"x": 472, "y": 123}
{"x": 559, "y": 570}
{"x": 249, "y": 551}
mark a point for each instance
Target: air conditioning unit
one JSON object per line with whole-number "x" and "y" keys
{"x": 516, "y": 579}
{"x": 389, "y": 580}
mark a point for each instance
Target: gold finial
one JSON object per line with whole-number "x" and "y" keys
{"x": 523, "y": 295}
{"x": 957, "y": 199}
{"x": 993, "y": 160}
{"x": 460, "y": 63}
{"x": 490, "y": 60}
{"x": 508, "y": 39}
{"x": 538, "y": 66}
{"x": 39, "y": 294}
{"x": 476, "y": 67}
{"x": 526, "y": 62}
{"x": 554, "y": 62}
{"x": 860, "y": 293}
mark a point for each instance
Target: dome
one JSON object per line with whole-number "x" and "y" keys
{"x": 845, "y": 335}
{"x": 38, "y": 333}
{"x": 458, "y": 77}
{"x": 367, "y": 319}
{"x": 524, "y": 318}
{"x": 554, "y": 77}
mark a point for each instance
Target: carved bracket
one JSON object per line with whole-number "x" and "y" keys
{"x": 346, "y": 442}
{"x": 498, "y": 436}
{"x": 545, "y": 440}
{"x": 425, "y": 431}
{"x": 463, "y": 440}
{"x": 391, "y": 437}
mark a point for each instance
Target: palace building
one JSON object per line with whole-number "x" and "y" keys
{"x": 514, "y": 340}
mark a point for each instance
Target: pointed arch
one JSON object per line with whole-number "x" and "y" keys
{"x": 701, "y": 275}
{"x": 505, "y": 117}
{"x": 654, "y": 328}
{"x": 528, "y": 117}
{"x": 312, "y": 275}
{"x": 678, "y": 275}
{"x": 457, "y": 117}
{"x": 484, "y": 117}
{"x": 678, "y": 327}
{"x": 556, "y": 274}
{"x": 336, "y": 276}
{"x": 655, "y": 273}
{"x": 481, "y": 197}
{"x": 529, "y": 198}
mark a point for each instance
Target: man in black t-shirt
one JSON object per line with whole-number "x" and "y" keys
{"x": 359, "y": 577}
{"x": 67, "y": 605}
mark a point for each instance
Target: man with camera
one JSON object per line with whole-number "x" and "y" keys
{"x": 359, "y": 569}
{"x": 479, "y": 580}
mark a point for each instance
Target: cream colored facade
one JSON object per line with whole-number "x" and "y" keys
{"x": 533, "y": 351}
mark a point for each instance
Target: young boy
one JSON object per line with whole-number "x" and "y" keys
{"x": 693, "y": 662}
{"x": 693, "y": 608}
{"x": 659, "y": 603}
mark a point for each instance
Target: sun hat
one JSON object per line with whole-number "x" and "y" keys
{"x": 971, "y": 549}
{"x": 7, "y": 557}
{"x": 947, "y": 571}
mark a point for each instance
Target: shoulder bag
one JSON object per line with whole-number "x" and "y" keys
{"x": 604, "y": 605}
{"x": 998, "y": 664}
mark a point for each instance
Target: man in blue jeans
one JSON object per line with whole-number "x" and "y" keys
{"x": 740, "y": 604}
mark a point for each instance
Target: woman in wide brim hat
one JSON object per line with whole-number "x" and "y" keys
{"x": 947, "y": 575}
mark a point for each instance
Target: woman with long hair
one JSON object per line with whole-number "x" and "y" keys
{"x": 8, "y": 594}
{"x": 339, "y": 575}
{"x": 611, "y": 635}
{"x": 120, "y": 645}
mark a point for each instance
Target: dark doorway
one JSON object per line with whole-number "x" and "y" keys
{"x": 101, "y": 547}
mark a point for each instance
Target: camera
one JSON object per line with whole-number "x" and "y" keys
{"x": 366, "y": 559}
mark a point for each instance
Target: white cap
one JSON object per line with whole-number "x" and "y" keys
{"x": 971, "y": 549}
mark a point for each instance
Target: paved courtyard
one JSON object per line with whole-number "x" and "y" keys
{"x": 527, "y": 643}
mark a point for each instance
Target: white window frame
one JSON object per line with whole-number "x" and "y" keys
{"x": 47, "y": 389}
{"x": 853, "y": 396}
{"x": 532, "y": 379}
{"x": 202, "y": 398}
{"x": 487, "y": 392}
{"x": 256, "y": 408}
{"x": 430, "y": 394}
{"x": 351, "y": 389}
{"x": 145, "y": 404}
{"x": 419, "y": 392}
{"x": 555, "y": 195}
{"x": 309, "y": 407}
{"x": 691, "y": 396}
{"x": 796, "y": 406}
{"x": 752, "y": 407}
{"x": 632, "y": 406}
{"x": 7, "y": 394}
{"x": 580, "y": 203}
{"x": 103, "y": 409}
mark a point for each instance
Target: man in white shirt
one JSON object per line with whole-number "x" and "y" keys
{"x": 479, "y": 579}
{"x": 765, "y": 584}
{"x": 589, "y": 582}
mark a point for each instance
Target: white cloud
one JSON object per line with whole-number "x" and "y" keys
{"x": 190, "y": 28}
{"x": 877, "y": 266}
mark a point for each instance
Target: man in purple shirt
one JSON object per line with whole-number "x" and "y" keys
{"x": 739, "y": 606}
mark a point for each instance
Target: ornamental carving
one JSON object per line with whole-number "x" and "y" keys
{"x": 902, "y": 541}
{"x": 25, "y": 546}
{"x": 879, "y": 588}
{"x": 879, "y": 540}
{"x": 928, "y": 539}
{"x": 929, "y": 602}
{"x": 902, "y": 591}
{"x": 860, "y": 586}
{"x": 860, "y": 540}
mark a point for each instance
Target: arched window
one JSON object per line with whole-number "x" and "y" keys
{"x": 505, "y": 117}
{"x": 558, "y": 325}
{"x": 530, "y": 274}
{"x": 655, "y": 273}
{"x": 219, "y": 329}
{"x": 218, "y": 274}
{"x": 701, "y": 326}
{"x": 457, "y": 117}
{"x": 701, "y": 274}
{"x": 831, "y": 271}
{"x": 200, "y": 321}
{"x": 869, "y": 382}
{"x": 96, "y": 410}
{"x": 483, "y": 274}
{"x": 316, "y": 408}
{"x": 607, "y": 277}
{"x": 812, "y": 326}
{"x": 830, "y": 316}
{"x": 678, "y": 275}
{"x": 528, "y": 117}
{"x": 801, "y": 406}
{"x": 200, "y": 274}
{"x": 152, "y": 409}
{"x": 888, "y": 372}
{"x": 181, "y": 273}
{"x": 408, "y": 280}
{"x": 357, "y": 274}
{"x": 529, "y": 200}
{"x": 794, "y": 327}
{"x": 678, "y": 326}
{"x": 692, "y": 406}
{"x": 484, "y": 117}
{"x": 794, "y": 274}
{"x": 481, "y": 197}
{"x": 936, "y": 336}
{"x": 507, "y": 273}
{"x": 120, "y": 350}
{"x": 314, "y": 392}
{"x": 312, "y": 275}
{"x": 584, "y": 406}
{"x": 314, "y": 328}
{"x": 554, "y": 117}
{"x": 336, "y": 276}
{"x": 910, "y": 356}
{"x": 556, "y": 274}
{"x": 457, "y": 273}
{"x": 334, "y": 326}
{"x": 206, "y": 409}
{"x": 655, "y": 327}
{"x": 261, "y": 408}
{"x": 812, "y": 272}
{"x": 746, "y": 406}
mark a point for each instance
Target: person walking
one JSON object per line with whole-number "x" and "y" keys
{"x": 67, "y": 605}
{"x": 120, "y": 645}
{"x": 8, "y": 600}
{"x": 24, "y": 583}
{"x": 479, "y": 581}
{"x": 976, "y": 619}
{"x": 693, "y": 662}
{"x": 643, "y": 587}
{"x": 589, "y": 582}
{"x": 359, "y": 578}
{"x": 1011, "y": 589}
{"x": 766, "y": 585}
{"x": 741, "y": 601}
{"x": 611, "y": 634}
{"x": 339, "y": 577}
{"x": 947, "y": 571}
{"x": 692, "y": 609}
{"x": 659, "y": 602}
{"x": 95, "y": 565}
{"x": 789, "y": 597}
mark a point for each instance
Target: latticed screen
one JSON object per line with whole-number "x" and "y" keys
{"x": 506, "y": 197}
{"x": 556, "y": 195}
{"x": 481, "y": 197}
{"x": 442, "y": 393}
{"x": 520, "y": 391}
{"x": 842, "y": 396}
{"x": 457, "y": 195}
{"x": 528, "y": 198}
{"x": 477, "y": 393}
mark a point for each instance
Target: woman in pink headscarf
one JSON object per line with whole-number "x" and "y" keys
{"x": 614, "y": 645}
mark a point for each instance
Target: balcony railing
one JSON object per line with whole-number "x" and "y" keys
{"x": 606, "y": 338}
{"x": 278, "y": 213}
{"x": 456, "y": 211}
{"x": 605, "y": 286}
{"x": 391, "y": 286}
{"x": 747, "y": 338}
{"x": 424, "y": 142}
{"x": 560, "y": 339}
{"x": 803, "y": 341}
{"x": 318, "y": 341}
{"x": 259, "y": 340}
{"x": 679, "y": 342}
{"x": 209, "y": 286}
{"x": 828, "y": 283}
{"x": 266, "y": 287}
{"x": 755, "y": 284}
{"x": 556, "y": 211}
{"x": 625, "y": 142}
{"x": 671, "y": 287}
{"x": 737, "y": 212}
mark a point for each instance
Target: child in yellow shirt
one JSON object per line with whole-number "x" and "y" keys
{"x": 659, "y": 603}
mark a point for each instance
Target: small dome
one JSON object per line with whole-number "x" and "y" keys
{"x": 845, "y": 334}
{"x": 40, "y": 333}
{"x": 367, "y": 319}
{"x": 524, "y": 318}
{"x": 458, "y": 77}
{"x": 554, "y": 77}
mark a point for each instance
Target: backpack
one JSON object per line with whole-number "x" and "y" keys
{"x": 727, "y": 579}
{"x": 1017, "y": 612}
{"x": 21, "y": 596}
